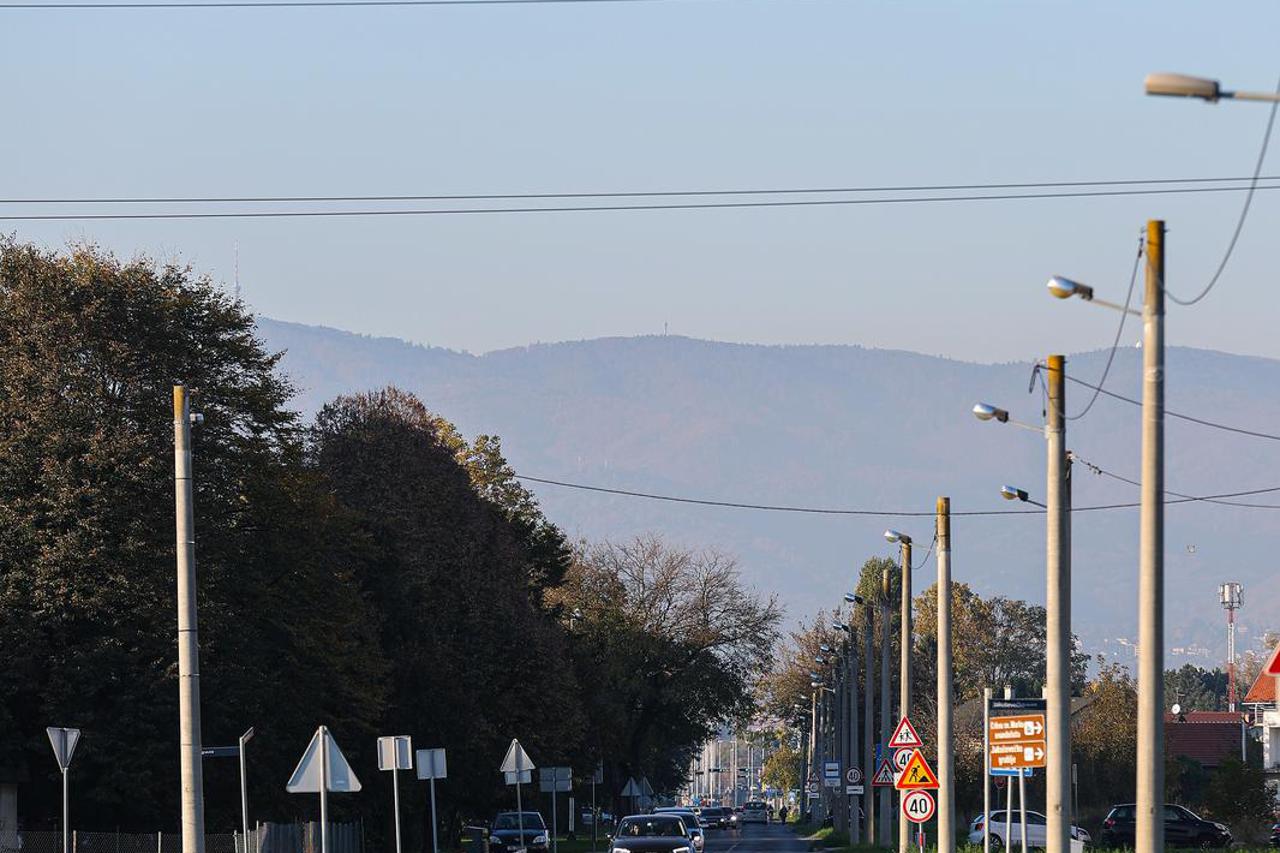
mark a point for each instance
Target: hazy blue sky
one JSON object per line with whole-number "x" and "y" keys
{"x": 675, "y": 95}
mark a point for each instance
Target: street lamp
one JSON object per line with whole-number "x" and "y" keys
{"x": 1065, "y": 288}
{"x": 1186, "y": 86}
{"x": 1013, "y": 493}
{"x": 988, "y": 412}
{"x": 904, "y": 654}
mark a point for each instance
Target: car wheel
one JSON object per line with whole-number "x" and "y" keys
{"x": 996, "y": 841}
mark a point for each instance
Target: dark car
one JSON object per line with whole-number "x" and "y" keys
{"x": 1182, "y": 828}
{"x": 651, "y": 833}
{"x": 1275, "y": 835}
{"x": 717, "y": 817}
{"x": 504, "y": 835}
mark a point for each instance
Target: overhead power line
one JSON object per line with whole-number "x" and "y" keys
{"x": 456, "y": 211}
{"x": 1179, "y": 415}
{"x": 284, "y": 4}
{"x": 878, "y": 513}
{"x": 1097, "y": 469}
{"x": 832, "y": 190}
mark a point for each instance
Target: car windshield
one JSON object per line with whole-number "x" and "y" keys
{"x": 662, "y": 826}
{"x": 511, "y": 820}
{"x": 754, "y": 806}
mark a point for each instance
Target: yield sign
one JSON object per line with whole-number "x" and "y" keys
{"x": 338, "y": 776}
{"x": 517, "y": 759}
{"x": 64, "y": 743}
{"x": 905, "y": 737}
{"x": 917, "y": 774}
{"x": 884, "y": 776}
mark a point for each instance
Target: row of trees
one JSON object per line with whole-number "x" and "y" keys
{"x": 372, "y": 570}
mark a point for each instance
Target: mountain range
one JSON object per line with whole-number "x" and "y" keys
{"x": 868, "y": 430}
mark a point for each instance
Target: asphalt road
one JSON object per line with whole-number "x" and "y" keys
{"x": 754, "y": 838}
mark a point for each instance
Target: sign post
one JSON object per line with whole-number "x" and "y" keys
{"x": 395, "y": 753}
{"x": 518, "y": 769}
{"x": 64, "y": 743}
{"x": 551, "y": 780}
{"x": 597, "y": 778}
{"x": 244, "y": 791}
{"x": 1016, "y": 743}
{"x": 323, "y": 768}
{"x": 431, "y": 765}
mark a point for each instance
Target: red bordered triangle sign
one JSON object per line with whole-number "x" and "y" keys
{"x": 917, "y": 774}
{"x": 884, "y": 775}
{"x": 904, "y": 736}
{"x": 1273, "y": 665}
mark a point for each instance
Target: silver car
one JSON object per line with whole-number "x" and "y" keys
{"x": 691, "y": 822}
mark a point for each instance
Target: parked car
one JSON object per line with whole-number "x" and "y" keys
{"x": 504, "y": 835}
{"x": 1275, "y": 835}
{"x": 755, "y": 811}
{"x": 1182, "y": 828}
{"x": 1037, "y": 828}
{"x": 651, "y": 833}
{"x": 691, "y": 822}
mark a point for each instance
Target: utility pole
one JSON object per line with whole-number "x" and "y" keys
{"x": 904, "y": 671}
{"x": 813, "y": 752}
{"x": 946, "y": 749}
{"x": 188, "y": 635}
{"x": 868, "y": 730}
{"x": 1057, "y": 613}
{"x": 1149, "y": 831}
{"x": 886, "y": 829}
{"x": 851, "y": 740}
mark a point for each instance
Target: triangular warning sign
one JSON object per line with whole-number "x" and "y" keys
{"x": 884, "y": 775}
{"x": 517, "y": 759}
{"x": 904, "y": 736}
{"x": 917, "y": 774}
{"x": 306, "y": 776}
{"x": 1273, "y": 665}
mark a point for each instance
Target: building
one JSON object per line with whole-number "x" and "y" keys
{"x": 1206, "y": 737}
{"x": 1263, "y": 711}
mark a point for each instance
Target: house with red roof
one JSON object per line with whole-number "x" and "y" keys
{"x": 1264, "y": 713}
{"x": 1208, "y": 737}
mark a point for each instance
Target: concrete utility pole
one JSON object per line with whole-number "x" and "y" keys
{"x": 188, "y": 635}
{"x": 904, "y": 670}
{"x": 1149, "y": 831}
{"x": 868, "y": 730}
{"x": 851, "y": 751}
{"x": 1057, "y": 614}
{"x": 886, "y": 829}
{"x": 946, "y": 748}
{"x": 813, "y": 752}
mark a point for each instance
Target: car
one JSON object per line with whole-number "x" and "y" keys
{"x": 1275, "y": 835}
{"x": 504, "y": 834}
{"x": 755, "y": 811}
{"x": 651, "y": 833}
{"x": 691, "y": 822}
{"x": 1037, "y": 828}
{"x": 1182, "y": 828}
{"x": 717, "y": 817}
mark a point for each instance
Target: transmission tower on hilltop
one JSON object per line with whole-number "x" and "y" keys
{"x": 1231, "y": 595}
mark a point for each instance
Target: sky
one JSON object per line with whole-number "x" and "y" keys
{"x": 673, "y": 95}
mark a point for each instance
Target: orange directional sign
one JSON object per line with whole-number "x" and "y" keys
{"x": 1017, "y": 741}
{"x": 1013, "y": 756}
{"x": 917, "y": 775}
{"x": 1024, "y": 728}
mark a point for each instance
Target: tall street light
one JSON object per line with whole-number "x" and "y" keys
{"x": 851, "y": 737}
{"x": 1149, "y": 819}
{"x": 1185, "y": 86}
{"x": 885, "y": 831}
{"x": 1057, "y": 507}
{"x": 904, "y": 656}
{"x": 945, "y": 690}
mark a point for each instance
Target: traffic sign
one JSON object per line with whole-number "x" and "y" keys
{"x": 900, "y": 759}
{"x": 517, "y": 759}
{"x": 918, "y": 806}
{"x": 812, "y": 788}
{"x": 395, "y": 752}
{"x": 904, "y": 736}
{"x": 64, "y": 743}
{"x": 884, "y": 775}
{"x": 338, "y": 775}
{"x": 853, "y": 790}
{"x": 632, "y": 788}
{"x": 1000, "y": 774}
{"x": 1273, "y": 665}
{"x": 1023, "y": 728}
{"x": 853, "y": 776}
{"x": 432, "y": 764}
{"x": 555, "y": 779}
{"x": 1018, "y": 706}
{"x": 831, "y": 770}
{"x": 1013, "y": 756}
{"x": 517, "y": 777}
{"x": 917, "y": 774}
{"x": 829, "y": 782}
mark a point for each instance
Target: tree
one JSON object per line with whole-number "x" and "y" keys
{"x": 1104, "y": 734}
{"x": 89, "y": 349}
{"x": 1196, "y": 689}
{"x": 781, "y": 768}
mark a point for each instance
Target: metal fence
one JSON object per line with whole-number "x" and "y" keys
{"x": 266, "y": 838}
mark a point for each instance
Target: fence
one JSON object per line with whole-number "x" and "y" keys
{"x": 266, "y": 838}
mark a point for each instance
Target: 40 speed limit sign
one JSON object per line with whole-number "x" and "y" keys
{"x": 918, "y": 806}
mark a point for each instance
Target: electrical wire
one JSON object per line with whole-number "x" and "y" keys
{"x": 450, "y": 211}
{"x": 871, "y": 512}
{"x": 266, "y": 199}
{"x": 1097, "y": 469}
{"x": 278, "y": 4}
{"x": 1179, "y": 415}
{"x": 1124, "y": 315}
{"x": 1244, "y": 212}
{"x": 925, "y": 558}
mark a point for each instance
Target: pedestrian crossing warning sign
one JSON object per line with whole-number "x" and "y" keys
{"x": 917, "y": 774}
{"x": 884, "y": 775}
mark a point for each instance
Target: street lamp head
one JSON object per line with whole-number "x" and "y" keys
{"x": 813, "y": 676}
{"x": 1065, "y": 288}
{"x": 840, "y": 626}
{"x": 1182, "y": 86}
{"x": 1013, "y": 493}
{"x": 816, "y": 684}
{"x": 986, "y": 412}
{"x": 824, "y": 648}
{"x": 897, "y": 536}
{"x": 853, "y": 598}
{"x": 819, "y": 660}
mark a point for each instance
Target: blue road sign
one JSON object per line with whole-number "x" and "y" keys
{"x": 1026, "y": 771}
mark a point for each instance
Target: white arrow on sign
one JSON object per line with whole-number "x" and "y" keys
{"x": 1030, "y": 753}
{"x": 306, "y": 776}
{"x": 517, "y": 759}
{"x": 64, "y": 743}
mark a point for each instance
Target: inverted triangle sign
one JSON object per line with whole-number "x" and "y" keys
{"x": 517, "y": 759}
{"x": 904, "y": 736}
{"x": 306, "y": 778}
{"x": 917, "y": 775}
{"x": 884, "y": 776}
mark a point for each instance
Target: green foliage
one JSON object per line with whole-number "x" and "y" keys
{"x": 1197, "y": 689}
{"x": 1238, "y": 796}
{"x": 781, "y": 768}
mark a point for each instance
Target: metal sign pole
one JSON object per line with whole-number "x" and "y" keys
{"x": 244, "y": 792}
{"x": 595, "y": 815}
{"x": 324, "y": 790}
{"x": 986, "y": 770}
{"x": 435, "y": 841}
{"x": 66, "y": 812}
{"x": 395, "y": 800}
{"x": 519, "y": 809}
{"x": 1022, "y": 807}
{"x": 555, "y": 817}
{"x": 1008, "y": 819}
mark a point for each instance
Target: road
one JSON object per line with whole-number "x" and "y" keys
{"x": 755, "y": 838}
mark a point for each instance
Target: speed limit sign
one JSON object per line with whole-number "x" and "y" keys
{"x": 918, "y": 806}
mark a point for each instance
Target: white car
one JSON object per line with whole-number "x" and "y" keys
{"x": 755, "y": 811}
{"x": 1036, "y": 831}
